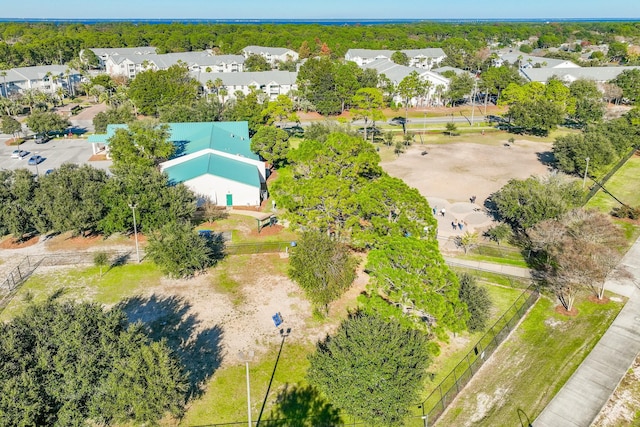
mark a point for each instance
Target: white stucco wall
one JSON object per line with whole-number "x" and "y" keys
{"x": 217, "y": 188}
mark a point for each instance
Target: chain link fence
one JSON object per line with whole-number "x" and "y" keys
{"x": 436, "y": 403}
{"x": 595, "y": 188}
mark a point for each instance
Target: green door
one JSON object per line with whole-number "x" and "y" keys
{"x": 229, "y": 199}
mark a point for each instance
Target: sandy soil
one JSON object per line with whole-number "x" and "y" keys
{"x": 455, "y": 172}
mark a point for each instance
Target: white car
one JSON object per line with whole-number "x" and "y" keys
{"x": 19, "y": 154}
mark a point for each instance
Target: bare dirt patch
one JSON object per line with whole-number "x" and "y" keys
{"x": 98, "y": 157}
{"x": 457, "y": 171}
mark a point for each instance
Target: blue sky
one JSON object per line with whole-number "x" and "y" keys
{"x": 319, "y": 9}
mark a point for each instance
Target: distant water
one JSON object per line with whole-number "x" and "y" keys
{"x": 328, "y": 22}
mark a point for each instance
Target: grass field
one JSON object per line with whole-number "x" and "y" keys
{"x": 623, "y": 185}
{"x": 530, "y": 367}
{"x": 84, "y": 284}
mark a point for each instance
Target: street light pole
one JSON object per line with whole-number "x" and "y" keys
{"x": 586, "y": 169}
{"x": 135, "y": 230}
{"x": 473, "y": 98}
{"x": 246, "y": 357}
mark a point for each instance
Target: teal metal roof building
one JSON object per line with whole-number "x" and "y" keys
{"x": 214, "y": 159}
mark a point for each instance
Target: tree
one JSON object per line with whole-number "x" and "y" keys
{"x": 316, "y": 82}
{"x": 538, "y": 117}
{"x": 323, "y": 268}
{"x": 43, "y": 123}
{"x": 100, "y": 259}
{"x": 409, "y": 88}
{"x": 571, "y": 152}
{"x": 9, "y": 125}
{"x": 451, "y": 128}
{"x": 70, "y": 199}
{"x": 75, "y": 363}
{"x": 346, "y": 77}
{"x": 281, "y": 109}
{"x": 180, "y": 252}
{"x": 256, "y": 62}
{"x": 629, "y": 82}
{"x": 467, "y": 241}
{"x": 272, "y": 144}
{"x": 371, "y": 368}
{"x": 411, "y": 282}
{"x": 157, "y": 201}
{"x": 367, "y": 103}
{"x": 319, "y": 188}
{"x": 400, "y": 58}
{"x": 589, "y": 107}
{"x": 477, "y": 300}
{"x": 141, "y": 143}
{"x": 580, "y": 249}
{"x": 496, "y": 79}
{"x": 118, "y": 115}
{"x": 150, "y": 89}
{"x": 460, "y": 86}
{"x": 247, "y": 108}
{"x": 524, "y": 203}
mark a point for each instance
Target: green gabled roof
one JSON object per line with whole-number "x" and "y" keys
{"x": 227, "y": 137}
{"x": 213, "y": 164}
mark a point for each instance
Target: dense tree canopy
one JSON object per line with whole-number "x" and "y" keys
{"x": 524, "y": 203}
{"x": 47, "y": 122}
{"x": 65, "y": 364}
{"x": 150, "y": 90}
{"x": 410, "y": 280}
{"x": 180, "y": 252}
{"x": 371, "y": 368}
{"x": 272, "y": 144}
{"x": 323, "y": 268}
{"x": 143, "y": 143}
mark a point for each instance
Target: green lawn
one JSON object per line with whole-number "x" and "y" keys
{"x": 623, "y": 185}
{"x": 85, "y": 283}
{"x": 225, "y": 399}
{"x": 530, "y": 367}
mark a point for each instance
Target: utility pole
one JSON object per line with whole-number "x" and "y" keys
{"x": 135, "y": 230}
{"x": 473, "y": 97}
{"x": 586, "y": 169}
{"x": 246, "y": 358}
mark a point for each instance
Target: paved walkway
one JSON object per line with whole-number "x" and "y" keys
{"x": 508, "y": 270}
{"x": 582, "y": 398}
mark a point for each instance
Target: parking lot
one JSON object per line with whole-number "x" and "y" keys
{"x": 55, "y": 152}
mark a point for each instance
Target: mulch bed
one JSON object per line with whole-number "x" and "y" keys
{"x": 571, "y": 313}
{"x": 10, "y": 243}
{"x": 594, "y": 299}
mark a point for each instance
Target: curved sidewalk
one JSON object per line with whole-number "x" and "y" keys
{"x": 581, "y": 399}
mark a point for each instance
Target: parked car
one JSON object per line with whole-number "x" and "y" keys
{"x": 398, "y": 121}
{"x": 35, "y": 160}
{"x": 19, "y": 154}
{"x": 49, "y": 171}
{"x": 42, "y": 138}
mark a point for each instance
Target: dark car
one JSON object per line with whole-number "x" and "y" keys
{"x": 398, "y": 121}
{"x": 41, "y": 139}
{"x": 35, "y": 160}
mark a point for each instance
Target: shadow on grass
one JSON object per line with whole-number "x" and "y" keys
{"x": 169, "y": 318}
{"x": 302, "y": 407}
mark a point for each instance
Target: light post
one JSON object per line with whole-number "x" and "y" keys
{"x": 473, "y": 97}
{"x": 246, "y": 358}
{"x": 586, "y": 169}
{"x": 135, "y": 230}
